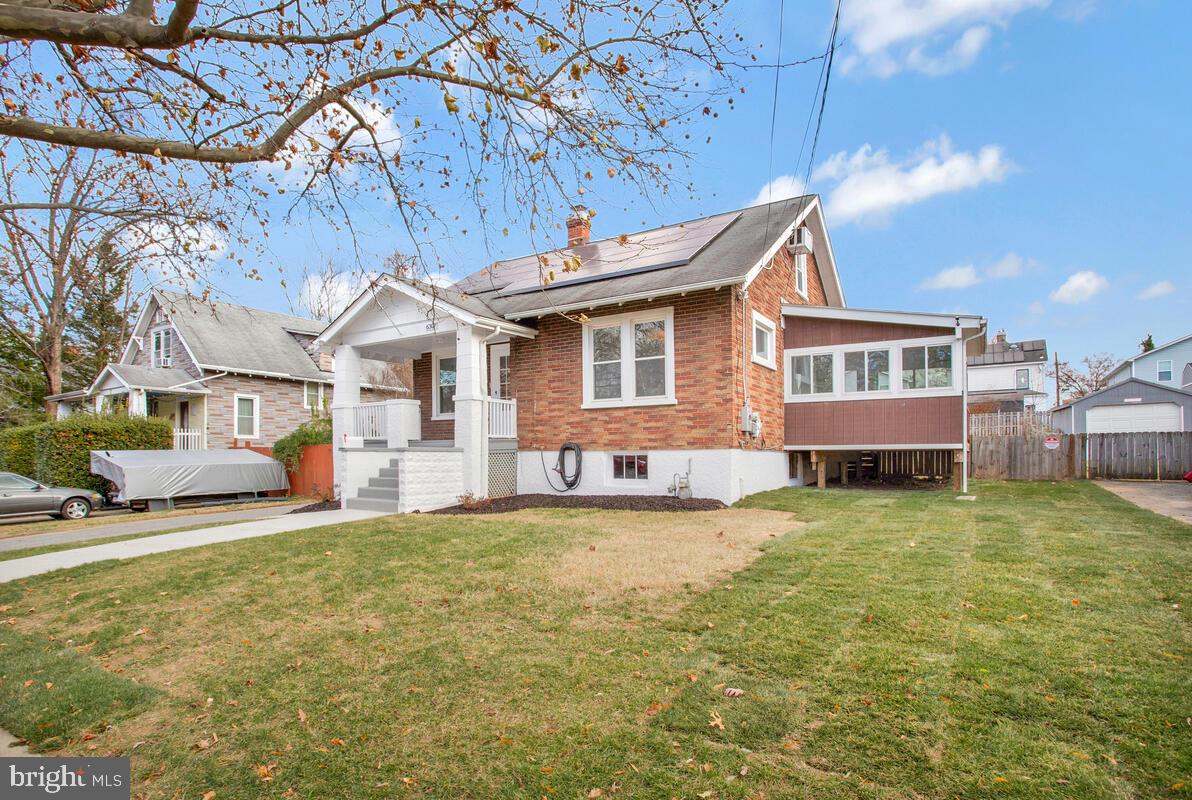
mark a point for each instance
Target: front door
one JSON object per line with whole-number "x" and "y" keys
{"x": 183, "y": 414}
{"x": 498, "y": 366}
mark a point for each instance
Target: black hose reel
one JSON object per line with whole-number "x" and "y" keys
{"x": 570, "y": 480}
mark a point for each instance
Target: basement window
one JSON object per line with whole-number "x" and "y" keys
{"x": 631, "y": 467}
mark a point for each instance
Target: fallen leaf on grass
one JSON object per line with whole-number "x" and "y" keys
{"x": 337, "y": 742}
{"x": 716, "y": 721}
{"x": 209, "y": 795}
{"x": 592, "y": 795}
{"x": 302, "y": 716}
{"x": 265, "y": 771}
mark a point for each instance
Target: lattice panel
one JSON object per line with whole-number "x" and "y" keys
{"x": 502, "y": 473}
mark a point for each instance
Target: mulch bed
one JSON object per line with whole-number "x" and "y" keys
{"x": 323, "y": 505}
{"x": 611, "y": 502}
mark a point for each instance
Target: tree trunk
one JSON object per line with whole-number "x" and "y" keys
{"x": 51, "y": 361}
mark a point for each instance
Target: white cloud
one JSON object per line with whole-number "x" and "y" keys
{"x": 1079, "y": 288}
{"x": 869, "y": 184}
{"x": 781, "y": 188}
{"x": 1156, "y": 290}
{"x": 892, "y": 35}
{"x": 953, "y": 278}
{"x": 176, "y": 255}
{"x": 1010, "y": 265}
{"x": 1036, "y": 309}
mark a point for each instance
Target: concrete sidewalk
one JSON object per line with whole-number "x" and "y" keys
{"x": 36, "y": 565}
{"x": 133, "y": 525}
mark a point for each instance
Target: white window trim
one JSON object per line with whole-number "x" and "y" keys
{"x": 790, "y": 372}
{"x": 256, "y": 416}
{"x": 628, "y": 387}
{"x": 167, "y": 353}
{"x": 434, "y": 385}
{"x": 1017, "y": 370}
{"x": 926, "y": 367}
{"x": 495, "y": 353}
{"x": 801, "y": 268}
{"x": 895, "y": 346}
{"x": 767, "y": 324}
{"x": 612, "y": 475}
{"x": 320, "y": 400}
{"x": 1159, "y": 369}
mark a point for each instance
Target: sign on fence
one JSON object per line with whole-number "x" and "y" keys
{"x": 1141, "y": 456}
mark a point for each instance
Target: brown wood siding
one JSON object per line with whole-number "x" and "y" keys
{"x": 805, "y": 332}
{"x": 900, "y": 421}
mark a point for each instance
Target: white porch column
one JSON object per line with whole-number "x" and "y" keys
{"x": 138, "y": 404}
{"x": 471, "y": 421}
{"x": 345, "y": 395}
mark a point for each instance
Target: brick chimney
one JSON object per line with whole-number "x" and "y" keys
{"x": 579, "y": 227}
{"x": 1000, "y": 338}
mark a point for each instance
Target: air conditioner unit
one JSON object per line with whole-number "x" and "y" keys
{"x": 800, "y": 241}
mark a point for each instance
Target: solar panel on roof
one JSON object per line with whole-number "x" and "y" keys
{"x": 661, "y": 248}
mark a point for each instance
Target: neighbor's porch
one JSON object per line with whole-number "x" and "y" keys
{"x": 185, "y": 408}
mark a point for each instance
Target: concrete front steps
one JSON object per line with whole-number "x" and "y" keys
{"x": 380, "y": 494}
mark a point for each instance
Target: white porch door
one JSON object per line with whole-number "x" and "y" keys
{"x": 498, "y": 365}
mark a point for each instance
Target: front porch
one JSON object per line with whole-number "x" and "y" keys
{"x": 458, "y": 436}
{"x": 169, "y": 394}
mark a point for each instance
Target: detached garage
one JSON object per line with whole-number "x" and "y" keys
{"x": 1126, "y": 407}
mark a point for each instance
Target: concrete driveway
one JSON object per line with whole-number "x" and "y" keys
{"x": 1170, "y": 498}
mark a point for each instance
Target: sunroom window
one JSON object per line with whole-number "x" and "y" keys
{"x": 867, "y": 371}
{"x": 927, "y": 366}
{"x": 812, "y": 374}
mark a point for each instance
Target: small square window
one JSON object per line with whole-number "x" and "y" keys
{"x": 627, "y": 467}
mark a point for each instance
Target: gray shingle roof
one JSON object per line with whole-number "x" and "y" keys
{"x": 154, "y": 377}
{"x": 236, "y": 337}
{"x": 725, "y": 259}
{"x": 1029, "y": 352}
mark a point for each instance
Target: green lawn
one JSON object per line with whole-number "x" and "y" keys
{"x": 1035, "y": 643}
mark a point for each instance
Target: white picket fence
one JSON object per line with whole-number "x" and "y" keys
{"x": 189, "y": 439}
{"x": 1010, "y": 423}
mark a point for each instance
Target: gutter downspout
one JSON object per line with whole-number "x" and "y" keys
{"x": 964, "y": 467}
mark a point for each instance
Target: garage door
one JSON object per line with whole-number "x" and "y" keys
{"x": 1134, "y": 417}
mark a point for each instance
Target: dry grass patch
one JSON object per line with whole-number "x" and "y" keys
{"x": 657, "y": 554}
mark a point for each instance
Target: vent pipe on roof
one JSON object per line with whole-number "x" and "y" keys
{"x": 579, "y": 226}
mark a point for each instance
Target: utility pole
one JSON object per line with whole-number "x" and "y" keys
{"x": 1057, "y": 378}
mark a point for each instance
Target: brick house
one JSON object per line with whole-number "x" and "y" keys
{"x": 715, "y": 354}
{"x": 224, "y": 375}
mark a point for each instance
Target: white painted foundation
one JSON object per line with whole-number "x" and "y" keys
{"x": 726, "y": 475}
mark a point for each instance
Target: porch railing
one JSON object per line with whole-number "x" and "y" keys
{"x": 502, "y": 418}
{"x": 369, "y": 421}
{"x": 189, "y": 439}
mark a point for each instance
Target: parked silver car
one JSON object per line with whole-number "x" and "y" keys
{"x": 20, "y": 495}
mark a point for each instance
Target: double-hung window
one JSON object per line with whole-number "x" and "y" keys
{"x": 801, "y": 274}
{"x": 812, "y": 374}
{"x": 1022, "y": 379}
{"x": 629, "y": 359}
{"x": 248, "y": 416}
{"x": 445, "y": 382}
{"x": 313, "y": 396}
{"x": 763, "y": 341}
{"x": 867, "y": 370}
{"x": 163, "y": 344}
{"x": 1165, "y": 371}
{"x": 927, "y": 366}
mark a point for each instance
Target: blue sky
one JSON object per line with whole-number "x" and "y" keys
{"x": 1022, "y": 159}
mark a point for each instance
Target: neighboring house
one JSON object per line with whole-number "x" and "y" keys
{"x": 716, "y": 353}
{"x": 1167, "y": 365}
{"x": 1127, "y": 406}
{"x": 1008, "y": 376}
{"x": 225, "y": 375}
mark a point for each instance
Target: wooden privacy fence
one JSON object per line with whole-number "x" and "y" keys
{"x": 1142, "y": 456}
{"x": 315, "y": 476}
{"x": 1009, "y": 423}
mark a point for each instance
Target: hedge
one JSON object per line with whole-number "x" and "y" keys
{"x": 17, "y": 450}
{"x": 64, "y": 447}
{"x": 59, "y": 453}
{"x": 288, "y": 449}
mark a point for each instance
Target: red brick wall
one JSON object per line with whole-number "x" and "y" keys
{"x": 547, "y": 381}
{"x": 772, "y": 288}
{"x": 905, "y": 421}
{"x": 424, "y": 394}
